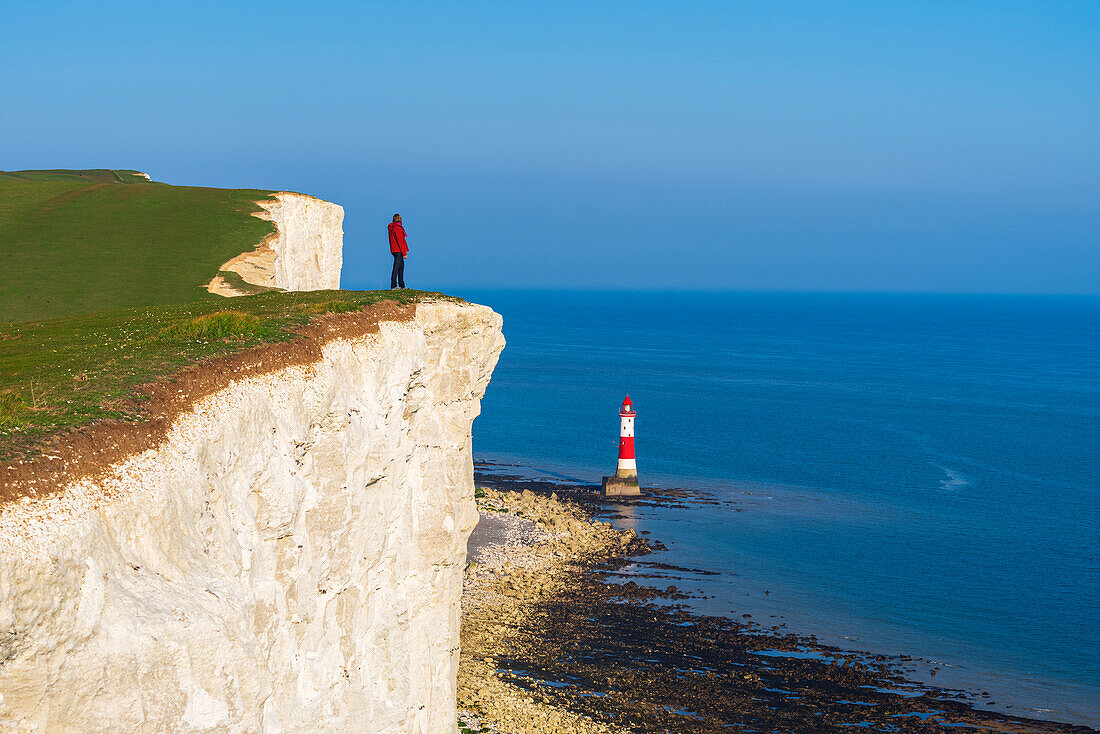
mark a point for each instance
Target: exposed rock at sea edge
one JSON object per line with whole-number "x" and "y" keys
{"x": 540, "y": 543}
{"x": 555, "y": 638}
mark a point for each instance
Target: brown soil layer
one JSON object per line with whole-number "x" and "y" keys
{"x": 91, "y": 450}
{"x": 635, "y": 658}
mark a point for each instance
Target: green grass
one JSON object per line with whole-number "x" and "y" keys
{"x": 101, "y": 293}
{"x": 217, "y": 326}
{"x": 68, "y": 372}
{"x": 78, "y": 242}
{"x": 93, "y": 175}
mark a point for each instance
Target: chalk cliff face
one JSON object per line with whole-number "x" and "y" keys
{"x": 289, "y": 559}
{"x": 305, "y": 253}
{"x": 309, "y": 244}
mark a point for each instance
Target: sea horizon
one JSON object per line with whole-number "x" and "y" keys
{"x": 471, "y": 292}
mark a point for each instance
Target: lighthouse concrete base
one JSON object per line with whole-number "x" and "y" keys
{"x": 616, "y": 487}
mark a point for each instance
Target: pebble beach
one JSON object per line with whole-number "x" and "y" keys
{"x": 553, "y": 640}
{"x": 524, "y": 550}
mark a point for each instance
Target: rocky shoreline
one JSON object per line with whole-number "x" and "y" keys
{"x": 526, "y": 550}
{"x": 554, "y": 641}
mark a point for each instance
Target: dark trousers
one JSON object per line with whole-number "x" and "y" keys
{"x": 397, "y": 277}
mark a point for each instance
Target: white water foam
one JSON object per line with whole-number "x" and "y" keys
{"x": 955, "y": 480}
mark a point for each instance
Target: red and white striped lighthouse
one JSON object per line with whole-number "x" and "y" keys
{"x": 625, "y": 481}
{"x": 627, "y": 468}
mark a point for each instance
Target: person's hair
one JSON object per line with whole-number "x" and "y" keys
{"x": 396, "y": 217}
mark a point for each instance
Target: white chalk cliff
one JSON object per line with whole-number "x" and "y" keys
{"x": 305, "y": 253}
{"x": 289, "y": 559}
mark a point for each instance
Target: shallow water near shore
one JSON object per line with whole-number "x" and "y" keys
{"x": 901, "y": 474}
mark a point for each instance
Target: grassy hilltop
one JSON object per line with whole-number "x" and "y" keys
{"x": 85, "y": 241}
{"x": 102, "y": 293}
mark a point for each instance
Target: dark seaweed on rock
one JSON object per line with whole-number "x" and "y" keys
{"x": 629, "y": 655}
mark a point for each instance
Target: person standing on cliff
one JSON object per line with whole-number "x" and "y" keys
{"x": 400, "y": 250}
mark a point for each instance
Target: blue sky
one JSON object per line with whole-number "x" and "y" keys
{"x": 923, "y": 146}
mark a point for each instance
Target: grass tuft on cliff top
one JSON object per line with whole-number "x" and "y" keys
{"x": 102, "y": 292}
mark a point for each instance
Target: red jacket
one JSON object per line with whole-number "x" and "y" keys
{"x": 397, "y": 238}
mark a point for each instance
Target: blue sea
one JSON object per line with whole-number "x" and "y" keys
{"x": 905, "y": 474}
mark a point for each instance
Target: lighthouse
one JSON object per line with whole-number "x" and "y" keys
{"x": 627, "y": 468}
{"x": 625, "y": 481}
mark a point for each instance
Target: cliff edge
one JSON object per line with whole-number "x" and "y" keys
{"x": 304, "y": 253}
{"x": 287, "y": 558}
